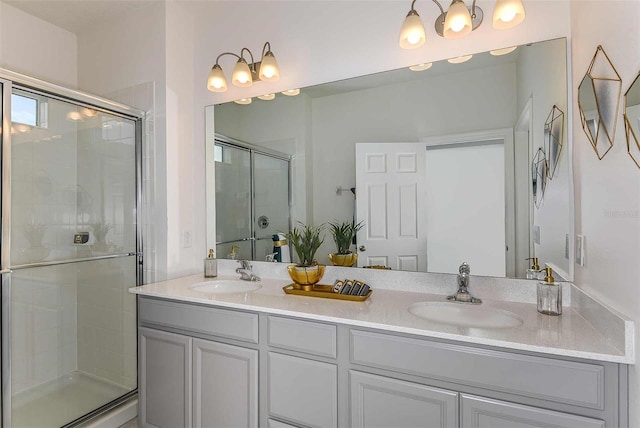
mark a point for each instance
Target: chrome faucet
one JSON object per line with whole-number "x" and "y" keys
{"x": 246, "y": 272}
{"x": 462, "y": 295}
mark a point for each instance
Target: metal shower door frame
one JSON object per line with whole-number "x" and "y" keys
{"x": 9, "y": 80}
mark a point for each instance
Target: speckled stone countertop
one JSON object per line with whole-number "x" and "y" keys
{"x": 586, "y": 329}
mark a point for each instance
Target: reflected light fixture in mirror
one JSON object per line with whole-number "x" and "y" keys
{"x": 421, "y": 67}
{"x": 244, "y": 74}
{"x": 458, "y": 21}
{"x": 243, "y": 101}
{"x": 460, "y": 59}
{"x": 504, "y": 51}
{"x": 267, "y": 97}
{"x": 291, "y": 92}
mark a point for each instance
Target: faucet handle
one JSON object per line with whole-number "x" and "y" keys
{"x": 245, "y": 264}
{"x": 464, "y": 268}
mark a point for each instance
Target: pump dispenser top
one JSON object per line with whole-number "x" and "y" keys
{"x": 534, "y": 272}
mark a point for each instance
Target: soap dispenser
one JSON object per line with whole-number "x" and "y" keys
{"x": 210, "y": 266}
{"x": 549, "y": 295}
{"x": 534, "y": 272}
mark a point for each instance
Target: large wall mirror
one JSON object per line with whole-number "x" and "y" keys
{"x": 436, "y": 162}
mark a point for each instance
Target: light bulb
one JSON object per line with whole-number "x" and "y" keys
{"x": 457, "y": 23}
{"x": 243, "y": 101}
{"x": 508, "y": 14}
{"x": 216, "y": 82}
{"x": 269, "y": 71}
{"x": 74, "y": 115}
{"x": 241, "y": 74}
{"x": 412, "y": 33}
{"x": 267, "y": 97}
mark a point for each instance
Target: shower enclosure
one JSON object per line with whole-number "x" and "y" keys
{"x": 252, "y": 198}
{"x": 70, "y": 250}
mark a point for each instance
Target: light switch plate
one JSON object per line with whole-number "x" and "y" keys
{"x": 580, "y": 249}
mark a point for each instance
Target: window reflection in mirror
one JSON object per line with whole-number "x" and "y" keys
{"x": 321, "y": 127}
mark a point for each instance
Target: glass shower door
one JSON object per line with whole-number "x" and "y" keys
{"x": 271, "y": 202}
{"x": 73, "y": 257}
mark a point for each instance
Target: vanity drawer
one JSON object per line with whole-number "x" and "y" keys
{"x": 302, "y": 336}
{"x": 200, "y": 319}
{"x": 569, "y": 382}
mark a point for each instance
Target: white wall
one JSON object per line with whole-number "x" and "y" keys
{"x": 542, "y": 72}
{"x": 37, "y": 48}
{"x": 125, "y": 59}
{"x": 608, "y": 191}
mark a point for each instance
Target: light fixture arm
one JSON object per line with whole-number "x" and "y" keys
{"x": 226, "y": 53}
{"x": 473, "y": 10}
{"x": 265, "y": 49}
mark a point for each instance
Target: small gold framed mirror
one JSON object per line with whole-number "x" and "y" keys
{"x": 598, "y": 101}
{"x": 632, "y": 120}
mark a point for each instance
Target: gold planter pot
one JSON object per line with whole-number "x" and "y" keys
{"x": 305, "y": 277}
{"x": 346, "y": 260}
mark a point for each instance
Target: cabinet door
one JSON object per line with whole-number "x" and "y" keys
{"x": 303, "y": 391}
{"x": 165, "y": 379}
{"x": 479, "y": 412}
{"x": 225, "y": 385}
{"x": 383, "y": 402}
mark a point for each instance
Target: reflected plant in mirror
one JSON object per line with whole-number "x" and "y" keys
{"x": 343, "y": 234}
{"x": 598, "y": 100}
{"x": 632, "y": 120}
{"x": 440, "y": 160}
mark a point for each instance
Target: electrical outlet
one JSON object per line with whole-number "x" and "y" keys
{"x": 186, "y": 239}
{"x": 580, "y": 250}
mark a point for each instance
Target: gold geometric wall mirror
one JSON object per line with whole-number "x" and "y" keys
{"x": 553, "y": 138}
{"x": 632, "y": 120}
{"x": 598, "y": 101}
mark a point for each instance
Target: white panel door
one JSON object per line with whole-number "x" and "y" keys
{"x": 390, "y": 179}
{"x": 465, "y": 199}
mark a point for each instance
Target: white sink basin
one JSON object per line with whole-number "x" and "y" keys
{"x": 225, "y": 286}
{"x": 465, "y": 315}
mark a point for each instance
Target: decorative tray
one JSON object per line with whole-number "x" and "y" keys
{"x": 325, "y": 291}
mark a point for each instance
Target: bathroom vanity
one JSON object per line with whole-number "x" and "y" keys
{"x": 267, "y": 359}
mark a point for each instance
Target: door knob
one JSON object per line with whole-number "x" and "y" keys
{"x": 362, "y": 248}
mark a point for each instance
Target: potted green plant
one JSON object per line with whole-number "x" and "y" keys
{"x": 306, "y": 240}
{"x": 343, "y": 234}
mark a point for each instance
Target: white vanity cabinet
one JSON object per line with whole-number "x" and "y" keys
{"x": 187, "y": 381}
{"x": 204, "y": 366}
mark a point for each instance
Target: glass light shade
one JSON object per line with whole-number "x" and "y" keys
{"x": 460, "y": 59}
{"x": 241, "y": 74}
{"x": 291, "y": 92}
{"x": 89, "y": 112}
{"x": 457, "y": 24}
{"x": 508, "y": 14}
{"x": 269, "y": 71}
{"x": 243, "y": 101}
{"x": 503, "y": 51}
{"x": 216, "y": 82}
{"x": 267, "y": 97}
{"x": 412, "y": 34}
{"x": 421, "y": 67}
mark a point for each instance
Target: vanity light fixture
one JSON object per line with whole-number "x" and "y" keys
{"x": 503, "y": 51}
{"x": 458, "y": 21}
{"x": 244, "y": 74}
{"x": 243, "y": 101}
{"x": 291, "y": 92}
{"x": 460, "y": 59}
{"x": 74, "y": 116}
{"x": 267, "y": 97}
{"x": 421, "y": 67}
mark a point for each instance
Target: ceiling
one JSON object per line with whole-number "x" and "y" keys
{"x": 77, "y": 16}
